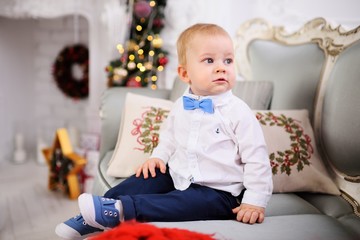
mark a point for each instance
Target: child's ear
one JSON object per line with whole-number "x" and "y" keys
{"x": 182, "y": 72}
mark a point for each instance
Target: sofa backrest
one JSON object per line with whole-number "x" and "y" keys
{"x": 338, "y": 105}
{"x": 291, "y": 61}
{"x": 316, "y": 68}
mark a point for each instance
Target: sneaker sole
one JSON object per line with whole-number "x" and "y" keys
{"x": 87, "y": 210}
{"x": 68, "y": 233}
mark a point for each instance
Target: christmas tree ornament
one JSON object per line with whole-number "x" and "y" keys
{"x": 131, "y": 65}
{"x": 163, "y": 61}
{"x": 142, "y": 9}
{"x": 121, "y": 72}
{"x": 133, "y": 82}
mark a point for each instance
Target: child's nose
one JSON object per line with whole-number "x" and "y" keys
{"x": 220, "y": 70}
{"x": 220, "y": 67}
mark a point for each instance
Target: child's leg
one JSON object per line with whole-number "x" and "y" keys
{"x": 162, "y": 183}
{"x": 106, "y": 212}
{"x": 195, "y": 203}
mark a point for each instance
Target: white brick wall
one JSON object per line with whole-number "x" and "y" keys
{"x": 31, "y": 101}
{"x": 54, "y": 109}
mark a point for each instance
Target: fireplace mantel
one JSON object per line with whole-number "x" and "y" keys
{"x": 46, "y": 8}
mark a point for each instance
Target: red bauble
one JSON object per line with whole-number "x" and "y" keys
{"x": 133, "y": 83}
{"x": 158, "y": 23}
{"x": 142, "y": 9}
{"x": 163, "y": 61}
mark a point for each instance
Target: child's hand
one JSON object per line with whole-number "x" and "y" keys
{"x": 149, "y": 166}
{"x": 251, "y": 214}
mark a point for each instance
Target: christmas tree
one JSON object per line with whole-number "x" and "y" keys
{"x": 142, "y": 57}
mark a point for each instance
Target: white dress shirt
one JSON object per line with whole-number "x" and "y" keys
{"x": 225, "y": 150}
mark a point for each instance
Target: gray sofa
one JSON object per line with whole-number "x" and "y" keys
{"x": 315, "y": 68}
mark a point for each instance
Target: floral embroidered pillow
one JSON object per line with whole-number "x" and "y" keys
{"x": 295, "y": 161}
{"x": 139, "y": 133}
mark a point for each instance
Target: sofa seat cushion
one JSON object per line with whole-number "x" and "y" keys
{"x": 289, "y": 204}
{"x": 331, "y": 205}
{"x": 300, "y": 227}
{"x": 280, "y": 204}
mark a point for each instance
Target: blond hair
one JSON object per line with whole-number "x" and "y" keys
{"x": 188, "y": 34}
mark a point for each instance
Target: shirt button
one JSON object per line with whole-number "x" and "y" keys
{"x": 191, "y": 179}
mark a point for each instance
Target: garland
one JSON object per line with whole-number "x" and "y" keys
{"x": 77, "y": 88}
{"x": 300, "y": 149}
{"x": 147, "y": 127}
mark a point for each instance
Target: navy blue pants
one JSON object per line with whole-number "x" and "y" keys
{"x": 156, "y": 199}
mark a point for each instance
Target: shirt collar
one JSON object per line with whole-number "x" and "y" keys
{"x": 217, "y": 100}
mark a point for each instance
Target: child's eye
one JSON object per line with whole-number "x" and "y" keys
{"x": 228, "y": 61}
{"x": 208, "y": 60}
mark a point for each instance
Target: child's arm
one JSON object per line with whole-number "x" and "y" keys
{"x": 149, "y": 166}
{"x": 251, "y": 214}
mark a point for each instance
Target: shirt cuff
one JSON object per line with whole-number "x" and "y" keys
{"x": 255, "y": 198}
{"x": 163, "y": 157}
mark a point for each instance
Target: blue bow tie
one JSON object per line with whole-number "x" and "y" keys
{"x": 190, "y": 104}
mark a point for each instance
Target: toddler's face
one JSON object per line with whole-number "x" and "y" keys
{"x": 210, "y": 66}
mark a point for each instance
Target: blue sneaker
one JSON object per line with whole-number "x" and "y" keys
{"x": 75, "y": 229}
{"x": 99, "y": 212}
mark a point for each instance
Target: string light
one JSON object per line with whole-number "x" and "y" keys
{"x": 120, "y": 48}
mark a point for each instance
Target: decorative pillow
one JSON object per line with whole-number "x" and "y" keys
{"x": 138, "y": 135}
{"x": 295, "y": 160}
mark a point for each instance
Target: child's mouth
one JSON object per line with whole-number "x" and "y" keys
{"x": 220, "y": 80}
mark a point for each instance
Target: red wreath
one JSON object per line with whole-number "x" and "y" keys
{"x": 71, "y": 86}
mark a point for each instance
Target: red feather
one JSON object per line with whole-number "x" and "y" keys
{"x": 134, "y": 231}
